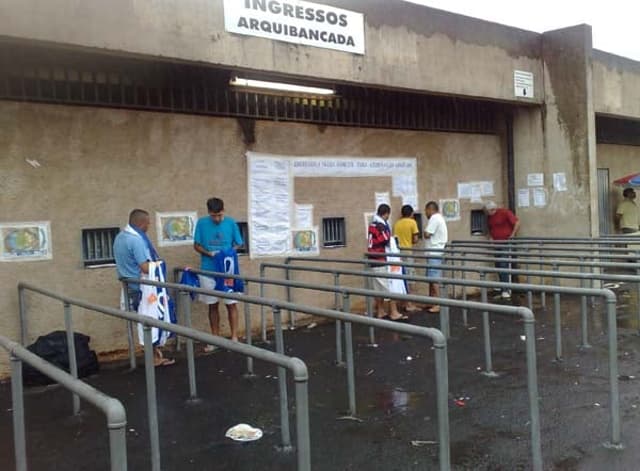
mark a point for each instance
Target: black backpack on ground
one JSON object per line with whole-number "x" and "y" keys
{"x": 53, "y": 348}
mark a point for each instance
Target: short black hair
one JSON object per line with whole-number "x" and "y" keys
{"x": 627, "y": 192}
{"x": 432, "y": 205}
{"x": 215, "y": 205}
{"x": 384, "y": 209}
{"x": 136, "y": 216}
{"x": 406, "y": 211}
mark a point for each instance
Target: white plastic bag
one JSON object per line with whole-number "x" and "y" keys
{"x": 396, "y": 285}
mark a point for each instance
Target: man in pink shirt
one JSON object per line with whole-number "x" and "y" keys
{"x": 503, "y": 225}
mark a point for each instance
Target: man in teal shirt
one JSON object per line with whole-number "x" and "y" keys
{"x": 213, "y": 233}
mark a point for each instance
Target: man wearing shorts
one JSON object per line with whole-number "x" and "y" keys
{"x": 214, "y": 233}
{"x": 437, "y": 236}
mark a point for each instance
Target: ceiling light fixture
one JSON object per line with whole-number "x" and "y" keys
{"x": 283, "y": 87}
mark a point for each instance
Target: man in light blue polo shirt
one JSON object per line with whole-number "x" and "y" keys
{"x": 213, "y": 233}
{"x": 133, "y": 251}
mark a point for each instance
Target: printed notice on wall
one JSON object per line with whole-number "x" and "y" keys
{"x": 382, "y": 198}
{"x": 304, "y": 216}
{"x": 270, "y": 201}
{"x": 535, "y": 179}
{"x": 298, "y": 22}
{"x": 450, "y": 209}
{"x": 560, "y": 181}
{"x": 539, "y": 197}
{"x": 523, "y": 83}
{"x": 524, "y": 198}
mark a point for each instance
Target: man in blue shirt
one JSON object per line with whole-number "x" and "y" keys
{"x": 133, "y": 251}
{"x": 213, "y": 233}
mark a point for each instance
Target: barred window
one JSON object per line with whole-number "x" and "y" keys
{"x": 478, "y": 222}
{"x": 334, "y": 232}
{"x": 244, "y": 232}
{"x": 97, "y": 246}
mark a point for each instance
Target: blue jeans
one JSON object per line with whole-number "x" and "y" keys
{"x": 504, "y": 277}
{"x": 434, "y": 272}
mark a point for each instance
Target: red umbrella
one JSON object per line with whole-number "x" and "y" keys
{"x": 632, "y": 180}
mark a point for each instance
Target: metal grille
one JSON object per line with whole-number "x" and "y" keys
{"x": 30, "y": 73}
{"x": 97, "y": 246}
{"x": 244, "y": 232}
{"x": 334, "y": 232}
{"x": 604, "y": 201}
{"x": 478, "y": 222}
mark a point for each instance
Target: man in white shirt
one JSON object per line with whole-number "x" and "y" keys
{"x": 436, "y": 236}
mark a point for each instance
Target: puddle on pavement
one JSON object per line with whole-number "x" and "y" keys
{"x": 397, "y": 401}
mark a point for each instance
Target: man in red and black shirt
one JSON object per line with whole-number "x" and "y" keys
{"x": 379, "y": 237}
{"x": 503, "y": 225}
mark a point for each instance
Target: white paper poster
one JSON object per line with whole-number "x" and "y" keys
{"x": 176, "y": 228}
{"x": 524, "y": 198}
{"x": 403, "y": 185}
{"x": 487, "y": 188}
{"x": 560, "y": 181}
{"x": 539, "y": 197}
{"x": 25, "y": 241}
{"x": 535, "y": 179}
{"x": 303, "y": 216}
{"x": 411, "y": 200}
{"x": 464, "y": 191}
{"x": 523, "y": 84}
{"x": 476, "y": 193}
{"x": 270, "y": 202}
{"x": 382, "y": 198}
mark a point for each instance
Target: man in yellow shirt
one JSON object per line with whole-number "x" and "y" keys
{"x": 406, "y": 231}
{"x": 627, "y": 212}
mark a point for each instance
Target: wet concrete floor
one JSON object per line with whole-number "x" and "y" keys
{"x": 396, "y": 404}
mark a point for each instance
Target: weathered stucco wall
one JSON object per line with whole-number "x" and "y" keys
{"x": 616, "y": 84}
{"x": 98, "y": 164}
{"x": 569, "y": 133}
{"x": 621, "y": 161}
{"x": 408, "y": 46}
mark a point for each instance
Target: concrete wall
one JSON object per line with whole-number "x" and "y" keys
{"x": 621, "y": 161}
{"x": 616, "y": 84}
{"x": 98, "y": 164}
{"x": 408, "y": 46}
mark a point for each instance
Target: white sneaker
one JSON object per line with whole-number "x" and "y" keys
{"x": 210, "y": 349}
{"x": 506, "y": 295}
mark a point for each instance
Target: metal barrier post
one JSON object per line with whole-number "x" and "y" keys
{"x": 292, "y": 315}
{"x": 23, "y": 318}
{"x": 130, "y": 327}
{"x": 532, "y": 388}
{"x": 486, "y": 329}
{"x": 351, "y": 377}
{"x": 184, "y": 303}
{"x": 614, "y": 398}
{"x": 368, "y": 284}
{"x": 556, "y": 316}
{"x": 543, "y": 295}
{"x": 263, "y": 319}
{"x": 71, "y": 352}
{"x": 584, "y": 321}
{"x": 17, "y": 404}
{"x": 282, "y": 383}
{"x": 336, "y": 300}
{"x": 248, "y": 332}
{"x": 465, "y": 311}
{"x": 152, "y": 406}
{"x": 302, "y": 421}
{"x": 444, "y": 312}
{"x": 442, "y": 401}
{"x": 117, "y": 439}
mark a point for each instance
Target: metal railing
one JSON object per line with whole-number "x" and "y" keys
{"x": 524, "y": 313}
{"x": 437, "y": 338}
{"x": 295, "y": 365}
{"x": 607, "y": 295}
{"x": 112, "y": 408}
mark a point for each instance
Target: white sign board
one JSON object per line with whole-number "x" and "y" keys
{"x": 524, "y": 198}
{"x": 298, "y": 22}
{"x": 560, "y": 181}
{"x": 535, "y": 179}
{"x": 523, "y": 84}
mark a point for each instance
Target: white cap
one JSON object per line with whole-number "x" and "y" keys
{"x": 489, "y": 205}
